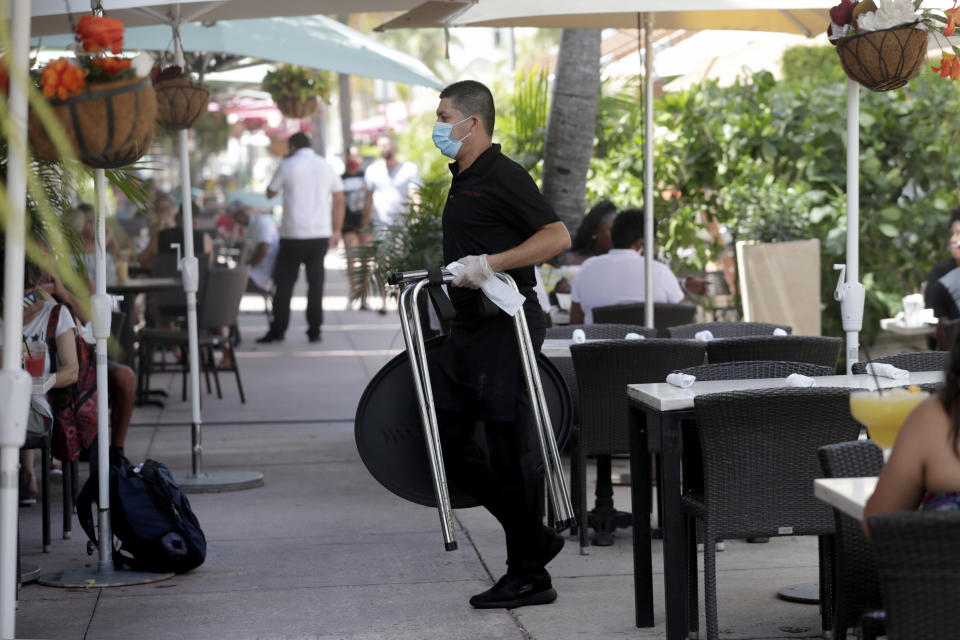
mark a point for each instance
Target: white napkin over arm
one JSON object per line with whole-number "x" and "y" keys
{"x": 887, "y": 370}
{"x": 633, "y": 336}
{"x": 780, "y": 332}
{"x": 578, "y": 337}
{"x": 499, "y": 292}
{"x": 682, "y": 380}
{"x": 703, "y": 336}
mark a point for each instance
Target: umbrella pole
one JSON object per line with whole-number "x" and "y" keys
{"x": 14, "y": 382}
{"x": 198, "y": 480}
{"x": 649, "y": 245}
{"x": 850, "y": 293}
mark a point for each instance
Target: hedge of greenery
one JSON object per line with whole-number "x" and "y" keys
{"x": 767, "y": 158}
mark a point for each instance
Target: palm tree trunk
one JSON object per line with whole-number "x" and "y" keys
{"x": 570, "y": 130}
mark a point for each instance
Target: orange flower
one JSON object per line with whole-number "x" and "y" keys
{"x": 953, "y": 17}
{"x": 111, "y": 65}
{"x": 96, "y": 33}
{"x": 61, "y": 79}
{"x": 949, "y": 66}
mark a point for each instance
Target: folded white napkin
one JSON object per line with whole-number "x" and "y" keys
{"x": 682, "y": 380}
{"x": 499, "y": 292}
{"x": 633, "y": 336}
{"x": 780, "y": 332}
{"x": 800, "y": 380}
{"x": 579, "y": 337}
{"x": 703, "y": 336}
{"x": 887, "y": 370}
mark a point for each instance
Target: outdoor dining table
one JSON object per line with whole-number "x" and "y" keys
{"x": 849, "y": 495}
{"x": 129, "y": 290}
{"x": 656, "y": 413}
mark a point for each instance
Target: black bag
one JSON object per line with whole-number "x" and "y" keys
{"x": 150, "y": 517}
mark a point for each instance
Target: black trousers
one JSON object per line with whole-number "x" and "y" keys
{"x": 498, "y": 464}
{"x": 292, "y": 253}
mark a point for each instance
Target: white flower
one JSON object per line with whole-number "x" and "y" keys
{"x": 891, "y": 13}
{"x": 837, "y": 32}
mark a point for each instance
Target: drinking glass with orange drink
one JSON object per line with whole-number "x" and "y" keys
{"x": 883, "y": 413}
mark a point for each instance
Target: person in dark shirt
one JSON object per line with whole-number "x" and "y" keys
{"x": 942, "y": 293}
{"x": 495, "y": 219}
{"x": 353, "y": 196}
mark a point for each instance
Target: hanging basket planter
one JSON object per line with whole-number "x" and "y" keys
{"x": 885, "y": 59}
{"x": 296, "y": 108}
{"x": 110, "y": 124}
{"x": 180, "y": 103}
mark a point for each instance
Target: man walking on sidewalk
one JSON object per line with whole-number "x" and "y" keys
{"x": 313, "y": 209}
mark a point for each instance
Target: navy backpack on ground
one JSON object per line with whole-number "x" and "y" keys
{"x": 150, "y": 517}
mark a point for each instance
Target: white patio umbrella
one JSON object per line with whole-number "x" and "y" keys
{"x": 310, "y": 41}
{"x": 808, "y": 17}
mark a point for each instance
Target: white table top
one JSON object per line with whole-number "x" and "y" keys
{"x": 42, "y": 385}
{"x": 666, "y": 397}
{"x": 560, "y": 348}
{"x": 896, "y": 325}
{"x": 849, "y": 495}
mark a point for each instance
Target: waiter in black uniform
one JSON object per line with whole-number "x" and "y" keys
{"x": 495, "y": 219}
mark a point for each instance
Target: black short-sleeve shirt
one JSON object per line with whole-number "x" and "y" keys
{"x": 936, "y": 296}
{"x": 493, "y": 206}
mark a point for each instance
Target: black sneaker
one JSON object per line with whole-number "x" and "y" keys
{"x": 511, "y": 592}
{"x": 268, "y": 338}
{"x": 314, "y": 337}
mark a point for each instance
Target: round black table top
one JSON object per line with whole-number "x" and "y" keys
{"x": 144, "y": 285}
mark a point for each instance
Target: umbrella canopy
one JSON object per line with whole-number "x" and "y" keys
{"x": 311, "y": 41}
{"x": 51, "y": 16}
{"x": 808, "y": 17}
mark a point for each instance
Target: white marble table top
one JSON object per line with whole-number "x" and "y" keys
{"x": 849, "y": 495}
{"x": 663, "y": 396}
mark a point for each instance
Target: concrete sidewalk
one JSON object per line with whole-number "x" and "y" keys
{"x": 322, "y": 551}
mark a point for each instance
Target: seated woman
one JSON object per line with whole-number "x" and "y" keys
{"x": 593, "y": 235}
{"x": 36, "y": 314}
{"x": 924, "y": 469}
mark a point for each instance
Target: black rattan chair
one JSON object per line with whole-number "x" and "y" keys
{"x": 726, "y": 329}
{"x": 755, "y": 370}
{"x": 759, "y": 461}
{"x": 600, "y": 331}
{"x": 812, "y": 349}
{"x": 910, "y": 361}
{"x": 603, "y": 370}
{"x": 664, "y": 315}
{"x": 918, "y": 562}
{"x": 855, "y": 587}
{"x": 219, "y": 308}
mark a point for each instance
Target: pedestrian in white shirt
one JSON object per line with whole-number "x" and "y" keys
{"x": 313, "y": 209}
{"x": 390, "y": 186}
{"x": 617, "y": 277}
{"x": 261, "y": 242}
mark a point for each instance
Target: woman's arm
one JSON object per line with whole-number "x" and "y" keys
{"x": 576, "y": 313}
{"x": 900, "y": 486}
{"x": 67, "y": 368}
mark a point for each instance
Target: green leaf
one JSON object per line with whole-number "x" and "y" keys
{"x": 888, "y": 230}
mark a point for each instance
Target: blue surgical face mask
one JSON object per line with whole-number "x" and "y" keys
{"x": 442, "y": 140}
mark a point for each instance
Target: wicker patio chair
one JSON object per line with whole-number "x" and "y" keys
{"x": 603, "y": 371}
{"x": 664, "y": 315}
{"x": 918, "y": 561}
{"x": 759, "y": 461}
{"x": 855, "y": 587}
{"x": 910, "y": 361}
{"x": 812, "y": 349}
{"x": 755, "y": 369}
{"x": 726, "y": 329}
{"x": 600, "y": 331}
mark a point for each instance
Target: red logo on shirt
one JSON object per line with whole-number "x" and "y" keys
{"x": 466, "y": 192}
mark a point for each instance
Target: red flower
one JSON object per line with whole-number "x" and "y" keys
{"x": 96, "y": 33}
{"x": 110, "y": 65}
{"x": 842, "y": 13}
{"x": 953, "y": 16}
{"x": 949, "y": 66}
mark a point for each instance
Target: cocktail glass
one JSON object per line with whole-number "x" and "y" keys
{"x": 34, "y": 356}
{"x": 884, "y": 414}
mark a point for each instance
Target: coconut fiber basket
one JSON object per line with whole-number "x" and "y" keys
{"x": 180, "y": 103}
{"x": 110, "y": 125}
{"x": 886, "y": 59}
{"x": 295, "y": 108}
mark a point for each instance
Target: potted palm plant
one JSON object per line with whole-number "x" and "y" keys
{"x": 296, "y": 89}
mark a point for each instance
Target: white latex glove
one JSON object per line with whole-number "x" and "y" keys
{"x": 475, "y": 273}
